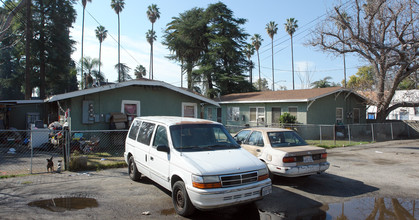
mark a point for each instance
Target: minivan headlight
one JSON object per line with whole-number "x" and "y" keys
{"x": 263, "y": 174}
{"x": 206, "y": 182}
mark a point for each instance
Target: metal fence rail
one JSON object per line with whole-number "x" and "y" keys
{"x": 350, "y": 133}
{"x": 27, "y": 151}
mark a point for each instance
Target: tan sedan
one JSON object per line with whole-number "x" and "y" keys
{"x": 284, "y": 151}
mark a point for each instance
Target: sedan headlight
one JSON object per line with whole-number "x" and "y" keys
{"x": 263, "y": 174}
{"x": 206, "y": 182}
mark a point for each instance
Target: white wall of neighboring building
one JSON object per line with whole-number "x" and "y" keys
{"x": 404, "y": 113}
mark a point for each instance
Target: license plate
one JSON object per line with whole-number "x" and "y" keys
{"x": 308, "y": 159}
{"x": 266, "y": 190}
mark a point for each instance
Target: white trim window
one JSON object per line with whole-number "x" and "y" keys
{"x": 233, "y": 113}
{"x": 356, "y": 116}
{"x": 189, "y": 110}
{"x": 209, "y": 114}
{"x": 293, "y": 111}
{"x": 131, "y": 108}
{"x": 339, "y": 115}
{"x": 257, "y": 114}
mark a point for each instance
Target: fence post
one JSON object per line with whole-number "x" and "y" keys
{"x": 31, "y": 150}
{"x": 349, "y": 134}
{"x": 391, "y": 127}
{"x": 372, "y": 132}
{"x": 320, "y": 134}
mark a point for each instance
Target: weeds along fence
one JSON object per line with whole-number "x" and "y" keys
{"x": 27, "y": 151}
{"x": 349, "y": 134}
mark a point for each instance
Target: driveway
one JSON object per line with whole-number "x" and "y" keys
{"x": 363, "y": 181}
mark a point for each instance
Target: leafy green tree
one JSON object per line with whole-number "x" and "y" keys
{"x": 257, "y": 42}
{"x": 118, "y": 6}
{"x": 363, "y": 80}
{"x": 153, "y": 14}
{"x": 139, "y": 72}
{"x": 185, "y": 37}
{"x": 290, "y": 28}
{"x": 272, "y": 29}
{"x": 101, "y": 34}
{"x": 224, "y": 61}
{"x": 262, "y": 84}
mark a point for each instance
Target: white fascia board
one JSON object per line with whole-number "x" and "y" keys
{"x": 125, "y": 84}
{"x": 263, "y": 101}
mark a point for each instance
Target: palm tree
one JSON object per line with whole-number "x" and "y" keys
{"x": 101, "y": 34}
{"x": 117, "y": 6}
{"x": 84, "y": 3}
{"x": 341, "y": 23}
{"x": 153, "y": 14}
{"x": 249, "y": 50}
{"x": 272, "y": 28}
{"x": 257, "y": 42}
{"x": 140, "y": 71}
{"x": 88, "y": 64}
{"x": 323, "y": 83}
{"x": 124, "y": 72}
{"x": 290, "y": 28}
{"x": 151, "y": 37}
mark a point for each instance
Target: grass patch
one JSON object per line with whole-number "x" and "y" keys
{"x": 13, "y": 175}
{"x": 95, "y": 161}
{"x": 329, "y": 144}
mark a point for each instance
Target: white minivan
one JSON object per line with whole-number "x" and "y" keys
{"x": 197, "y": 160}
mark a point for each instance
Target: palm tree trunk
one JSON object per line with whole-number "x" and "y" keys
{"x": 250, "y": 72}
{"x": 119, "y": 48}
{"x": 28, "y": 87}
{"x": 292, "y": 61}
{"x": 100, "y": 56}
{"x": 344, "y": 62}
{"x": 273, "y": 77}
{"x": 260, "y": 84}
{"x": 82, "y": 40}
{"x": 151, "y": 58}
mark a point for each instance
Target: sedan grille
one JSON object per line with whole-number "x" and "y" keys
{"x": 239, "y": 179}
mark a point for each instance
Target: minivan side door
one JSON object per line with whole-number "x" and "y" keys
{"x": 143, "y": 146}
{"x": 159, "y": 162}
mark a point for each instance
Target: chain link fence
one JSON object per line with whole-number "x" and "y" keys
{"x": 350, "y": 134}
{"x": 26, "y": 151}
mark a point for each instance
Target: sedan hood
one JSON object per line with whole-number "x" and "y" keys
{"x": 221, "y": 162}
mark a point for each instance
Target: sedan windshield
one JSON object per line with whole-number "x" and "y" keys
{"x": 201, "y": 137}
{"x": 285, "y": 139}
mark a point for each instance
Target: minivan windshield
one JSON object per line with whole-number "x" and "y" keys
{"x": 285, "y": 139}
{"x": 201, "y": 137}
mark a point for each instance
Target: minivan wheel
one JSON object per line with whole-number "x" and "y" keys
{"x": 181, "y": 201}
{"x": 132, "y": 170}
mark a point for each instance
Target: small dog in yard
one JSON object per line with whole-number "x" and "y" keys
{"x": 50, "y": 165}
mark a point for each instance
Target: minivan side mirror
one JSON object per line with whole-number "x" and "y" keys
{"x": 163, "y": 148}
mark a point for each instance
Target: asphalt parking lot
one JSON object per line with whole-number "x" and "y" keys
{"x": 362, "y": 181}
